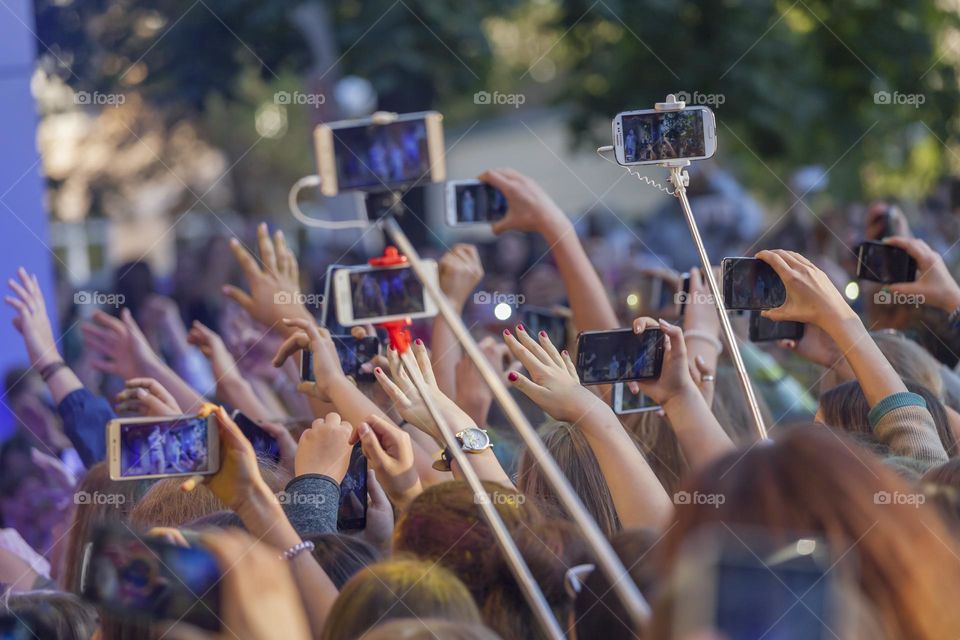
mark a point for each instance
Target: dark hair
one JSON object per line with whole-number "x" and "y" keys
{"x": 52, "y": 615}
{"x": 576, "y": 459}
{"x": 341, "y": 556}
{"x": 598, "y": 612}
{"x": 845, "y": 408}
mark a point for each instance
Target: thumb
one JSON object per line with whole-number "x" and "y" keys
{"x": 378, "y": 497}
{"x": 238, "y": 295}
{"x": 526, "y": 386}
{"x": 370, "y": 445}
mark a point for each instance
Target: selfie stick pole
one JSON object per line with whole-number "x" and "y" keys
{"x": 680, "y": 179}
{"x": 606, "y": 559}
{"x": 400, "y": 340}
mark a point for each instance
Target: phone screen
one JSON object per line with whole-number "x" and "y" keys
{"x": 625, "y": 401}
{"x": 386, "y": 292}
{"x": 171, "y": 446}
{"x": 883, "y": 263}
{"x": 749, "y": 283}
{"x": 478, "y": 203}
{"x": 536, "y": 320}
{"x": 620, "y": 355}
{"x": 263, "y": 443}
{"x": 152, "y": 579}
{"x": 763, "y": 329}
{"x": 352, "y": 514}
{"x": 664, "y": 135}
{"x": 372, "y": 155}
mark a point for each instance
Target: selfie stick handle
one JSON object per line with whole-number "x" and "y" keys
{"x": 679, "y": 178}
{"x": 606, "y": 559}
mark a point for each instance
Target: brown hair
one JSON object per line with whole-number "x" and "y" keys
{"x": 845, "y": 408}
{"x": 166, "y": 505}
{"x": 659, "y": 446}
{"x": 576, "y": 459}
{"x": 941, "y": 486}
{"x": 810, "y": 481}
{"x": 398, "y": 589}
{"x": 910, "y": 360}
{"x": 429, "y": 629}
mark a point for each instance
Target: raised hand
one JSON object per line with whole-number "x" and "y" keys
{"x": 31, "y": 319}
{"x": 118, "y": 346}
{"x": 676, "y": 378}
{"x": 553, "y": 383}
{"x": 460, "y": 273}
{"x": 934, "y": 281}
{"x": 529, "y": 208}
{"x": 325, "y": 448}
{"x": 410, "y": 403}
{"x": 389, "y": 452}
{"x": 473, "y": 393}
{"x": 146, "y": 397}
{"x": 212, "y": 347}
{"x": 274, "y": 286}
{"x": 326, "y": 364}
{"x": 811, "y": 296}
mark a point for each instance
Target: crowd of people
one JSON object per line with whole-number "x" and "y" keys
{"x": 845, "y": 523}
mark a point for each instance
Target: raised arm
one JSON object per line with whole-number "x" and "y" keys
{"x": 638, "y": 496}
{"x": 530, "y": 209}
{"x": 460, "y": 273}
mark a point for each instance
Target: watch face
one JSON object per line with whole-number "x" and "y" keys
{"x": 474, "y": 439}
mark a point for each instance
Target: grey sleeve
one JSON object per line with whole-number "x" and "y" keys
{"x": 310, "y": 503}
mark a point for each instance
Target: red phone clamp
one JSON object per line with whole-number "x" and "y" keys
{"x": 397, "y": 330}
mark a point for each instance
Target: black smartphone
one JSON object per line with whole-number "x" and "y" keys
{"x": 749, "y": 283}
{"x": 472, "y": 202}
{"x": 619, "y": 355}
{"x": 263, "y": 443}
{"x": 353, "y": 354}
{"x": 683, "y": 296}
{"x": 764, "y": 330}
{"x": 537, "y": 319}
{"x": 879, "y": 262}
{"x": 352, "y": 514}
{"x": 148, "y": 579}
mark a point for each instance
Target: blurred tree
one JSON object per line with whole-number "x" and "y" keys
{"x": 798, "y": 80}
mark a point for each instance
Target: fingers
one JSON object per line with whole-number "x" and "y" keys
{"x": 530, "y": 362}
{"x": 423, "y": 362}
{"x": 294, "y": 344}
{"x": 265, "y": 246}
{"x": 532, "y": 346}
{"x": 568, "y": 363}
{"x": 396, "y": 395}
{"x": 528, "y": 387}
{"x": 248, "y": 264}
{"x": 21, "y": 293}
{"x": 370, "y": 445}
{"x": 777, "y": 261}
{"x": 378, "y": 497}
{"x": 284, "y": 255}
{"x": 551, "y": 350}
{"x": 239, "y": 296}
{"x": 918, "y": 249}
{"x": 643, "y": 323}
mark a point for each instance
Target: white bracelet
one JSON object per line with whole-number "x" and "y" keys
{"x": 297, "y": 549}
{"x": 696, "y": 334}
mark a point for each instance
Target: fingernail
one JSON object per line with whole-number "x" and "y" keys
{"x": 363, "y": 429}
{"x": 378, "y": 371}
{"x": 543, "y": 334}
{"x": 512, "y": 376}
{"x": 419, "y": 342}
{"x": 519, "y": 327}
{"x": 565, "y": 352}
{"x": 506, "y": 332}
{"x": 392, "y": 348}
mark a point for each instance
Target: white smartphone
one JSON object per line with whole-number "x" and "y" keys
{"x": 142, "y": 448}
{"x": 370, "y": 154}
{"x": 369, "y": 295}
{"x": 649, "y": 136}
{"x": 626, "y": 402}
{"x": 472, "y": 202}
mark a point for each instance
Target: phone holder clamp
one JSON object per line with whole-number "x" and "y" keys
{"x": 397, "y": 330}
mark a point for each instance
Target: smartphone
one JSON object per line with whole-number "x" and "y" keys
{"x": 472, "y": 202}
{"x": 263, "y": 443}
{"x": 352, "y": 353}
{"x": 626, "y": 402}
{"x": 879, "y": 262}
{"x": 556, "y": 324}
{"x": 649, "y": 136}
{"x": 352, "y": 513}
{"x": 150, "y": 579}
{"x": 24, "y": 626}
{"x": 746, "y": 592}
{"x": 764, "y": 330}
{"x": 619, "y": 355}
{"x": 367, "y": 294}
{"x": 379, "y": 154}
{"x": 143, "y": 448}
{"x": 749, "y": 283}
{"x": 682, "y": 297}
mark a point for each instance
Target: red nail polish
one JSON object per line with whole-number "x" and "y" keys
{"x": 419, "y": 342}
{"x": 379, "y": 370}
{"x": 512, "y": 376}
{"x": 506, "y": 332}
{"x": 543, "y": 334}
{"x": 519, "y": 327}
{"x": 392, "y": 348}
{"x": 565, "y": 352}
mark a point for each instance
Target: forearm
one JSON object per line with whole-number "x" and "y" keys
{"x": 62, "y": 383}
{"x": 589, "y": 303}
{"x": 236, "y": 392}
{"x": 446, "y": 353}
{"x": 638, "y": 496}
{"x": 424, "y": 452}
{"x": 876, "y": 375}
{"x": 352, "y": 405}
{"x": 700, "y": 436}
{"x": 709, "y": 351}
{"x": 187, "y": 398}
{"x": 486, "y": 466}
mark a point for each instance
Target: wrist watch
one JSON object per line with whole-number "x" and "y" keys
{"x": 472, "y": 440}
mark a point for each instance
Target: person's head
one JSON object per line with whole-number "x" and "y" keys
{"x": 573, "y": 455}
{"x": 910, "y": 360}
{"x": 398, "y": 589}
{"x": 341, "y": 556}
{"x": 166, "y": 505}
{"x": 941, "y": 486}
{"x": 51, "y": 615}
{"x": 845, "y": 408}
{"x": 808, "y": 482}
{"x": 429, "y": 629}
{"x": 133, "y": 282}
{"x": 597, "y": 611}
{"x": 99, "y": 501}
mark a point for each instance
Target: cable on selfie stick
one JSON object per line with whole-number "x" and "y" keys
{"x": 400, "y": 339}
{"x": 334, "y": 225}
{"x": 606, "y": 558}
{"x": 601, "y": 151}
{"x": 680, "y": 179}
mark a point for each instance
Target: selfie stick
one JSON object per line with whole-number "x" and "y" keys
{"x": 680, "y": 179}
{"x": 606, "y": 559}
